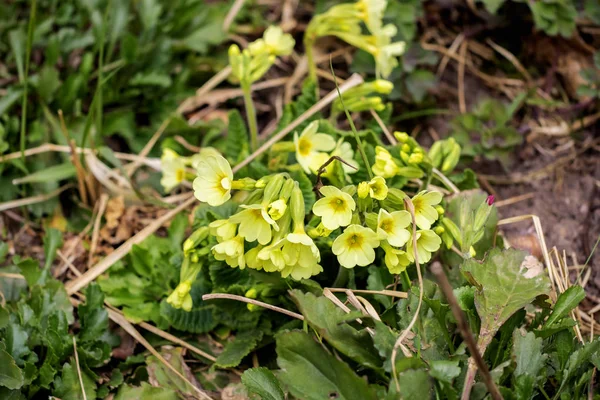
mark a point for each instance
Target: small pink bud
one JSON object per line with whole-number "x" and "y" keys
{"x": 490, "y": 200}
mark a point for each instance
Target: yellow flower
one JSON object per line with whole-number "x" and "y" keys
{"x": 396, "y": 260}
{"x": 425, "y": 212}
{"x": 384, "y": 163}
{"x": 231, "y": 251}
{"x": 181, "y": 298}
{"x": 222, "y": 229}
{"x": 372, "y": 13}
{"x": 214, "y": 181}
{"x": 299, "y": 248}
{"x": 203, "y": 153}
{"x": 298, "y": 271}
{"x": 310, "y": 143}
{"x": 427, "y": 243}
{"x": 272, "y": 257}
{"x": 386, "y": 51}
{"x": 344, "y": 151}
{"x": 356, "y": 246}
{"x": 173, "y": 169}
{"x": 335, "y": 209}
{"x": 363, "y": 190}
{"x": 277, "y": 209}
{"x": 274, "y": 42}
{"x": 377, "y": 188}
{"x": 391, "y": 226}
{"x": 255, "y": 223}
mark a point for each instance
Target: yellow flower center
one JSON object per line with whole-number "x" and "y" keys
{"x": 387, "y": 226}
{"x": 180, "y": 174}
{"x": 338, "y": 204}
{"x": 355, "y": 241}
{"x": 304, "y": 146}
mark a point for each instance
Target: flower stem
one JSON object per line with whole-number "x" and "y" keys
{"x": 359, "y": 143}
{"x": 250, "y": 115}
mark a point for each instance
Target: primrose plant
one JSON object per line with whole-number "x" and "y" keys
{"x": 380, "y": 221}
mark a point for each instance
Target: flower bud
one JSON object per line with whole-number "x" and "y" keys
{"x": 272, "y": 189}
{"x": 180, "y": 298}
{"x": 439, "y": 230}
{"x": 395, "y": 199}
{"x": 286, "y": 189}
{"x": 472, "y": 252}
{"x": 415, "y": 158}
{"x": 243, "y": 184}
{"x": 252, "y": 293}
{"x": 435, "y": 154}
{"x": 401, "y": 136}
{"x": 297, "y": 205}
{"x": 405, "y": 148}
{"x": 382, "y": 86}
{"x": 195, "y": 238}
{"x": 451, "y": 159}
{"x": 319, "y": 231}
{"x": 451, "y": 227}
{"x": 440, "y": 210}
{"x": 411, "y": 172}
{"x": 363, "y": 190}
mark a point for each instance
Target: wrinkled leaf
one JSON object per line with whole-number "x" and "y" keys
{"x": 262, "y": 382}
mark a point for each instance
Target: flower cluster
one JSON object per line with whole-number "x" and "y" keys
{"x": 249, "y": 65}
{"x": 408, "y": 162}
{"x": 345, "y": 22}
{"x": 363, "y": 97}
{"x": 272, "y": 221}
{"x": 368, "y": 223}
{"x": 174, "y": 167}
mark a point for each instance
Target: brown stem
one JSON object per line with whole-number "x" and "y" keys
{"x": 476, "y": 349}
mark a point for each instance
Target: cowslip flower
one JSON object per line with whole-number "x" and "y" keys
{"x": 277, "y": 209}
{"x": 356, "y": 246}
{"x": 391, "y": 227}
{"x": 425, "y": 212}
{"x": 222, "y": 229}
{"x": 214, "y": 182}
{"x": 378, "y": 190}
{"x": 272, "y": 257}
{"x": 396, "y": 260}
{"x": 372, "y": 13}
{"x": 203, "y": 153}
{"x": 299, "y": 271}
{"x": 335, "y": 209}
{"x": 344, "y": 151}
{"x": 310, "y": 143}
{"x": 386, "y": 51}
{"x": 231, "y": 251}
{"x": 173, "y": 169}
{"x": 427, "y": 243}
{"x": 273, "y": 42}
{"x": 385, "y": 166}
{"x": 254, "y": 223}
{"x": 181, "y": 298}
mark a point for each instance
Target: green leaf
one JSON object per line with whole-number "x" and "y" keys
{"x": 325, "y": 317}
{"x": 146, "y": 391}
{"x": 419, "y": 82}
{"x": 11, "y": 376}
{"x": 444, "y": 370}
{"x": 67, "y": 386}
{"x": 238, "y": 144}
{"x": 580, "y": 359}
{"x": 55, "y": 173}
{"x": 48, "y": 83}
{"x": 493, "y": 5}
{"x": 92, "y": 315}
{"x": 17, "y": 41}
{"x": 16, "y": 342}
{"x": 8, "y": 99}
{"x": 209, "y": 34}
{"x": 528, "y": 354}
{"x": 567, "y": 301}
{"x": 53, "y": 240}
{"x": 262, "y": 382}
{"x": 505, "y": 282}
{"x": 311, "y": 373}
{"x": 235, "y": 351}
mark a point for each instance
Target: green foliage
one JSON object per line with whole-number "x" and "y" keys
{"x": 310, "y": 373}
{"x": 262, "y": 382}
{"x": 592, "y": 77}
{"x": 36, "y": 343}
{"x": 487, "y": 132}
